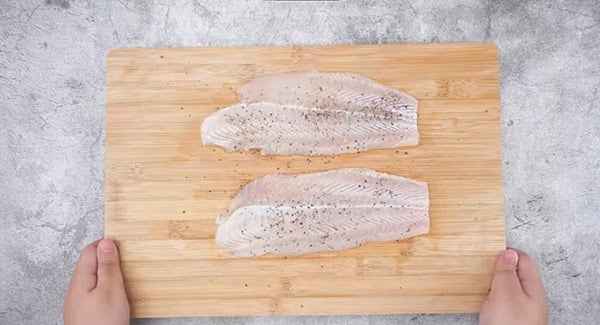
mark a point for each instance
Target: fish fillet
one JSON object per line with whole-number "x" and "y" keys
{"x": 326, "y": 211}
{"x": 314, "y": 114}
{"x": 346, "y": 91}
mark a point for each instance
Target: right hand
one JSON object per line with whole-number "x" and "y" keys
{"x": 517, "y": 295}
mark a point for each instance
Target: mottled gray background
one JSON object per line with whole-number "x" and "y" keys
{"x": 52, "y": 60}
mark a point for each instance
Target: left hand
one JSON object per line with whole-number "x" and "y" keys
{"x": 96, "y": 294}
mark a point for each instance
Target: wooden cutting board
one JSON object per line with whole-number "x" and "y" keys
{"x": 164, "y": 189}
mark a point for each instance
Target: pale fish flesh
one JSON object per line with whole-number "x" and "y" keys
{"x": 314, "y": 114}
{"x": 325, "y": 211}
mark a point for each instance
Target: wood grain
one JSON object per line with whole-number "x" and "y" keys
{"x": 164, "y": 189}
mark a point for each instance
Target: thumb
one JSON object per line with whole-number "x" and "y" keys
{"x": 530, "y": 278}
{"x": 505, "y": 280}
{"x": 109, "y": 268}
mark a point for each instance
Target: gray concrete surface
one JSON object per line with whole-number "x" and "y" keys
{"x": 52, "y": 125}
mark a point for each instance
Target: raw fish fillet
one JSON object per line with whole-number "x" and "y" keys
{"x": 346, "y": 91}
{"x": 284, "y": 129}
{"x": 326, "y": 211}
{"x": 314, "y": 114}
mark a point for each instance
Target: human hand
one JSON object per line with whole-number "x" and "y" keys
{"x": 96, "y": 294}
{"x": 517, "y": 295}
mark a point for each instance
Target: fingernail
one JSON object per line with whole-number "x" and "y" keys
{"x": 511, "y": 257}
{"x": 106, "y": 246}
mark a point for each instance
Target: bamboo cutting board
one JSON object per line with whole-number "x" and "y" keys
{"x": 164, "y": 189}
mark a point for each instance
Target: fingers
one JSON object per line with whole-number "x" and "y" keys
{"x": 530, "y": 278}
{"x": 109, "y": 268}
{"x": 84, "y": 276}
{"x": 505, "y": 279}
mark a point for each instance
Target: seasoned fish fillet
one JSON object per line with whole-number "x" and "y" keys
{"x": 316, "y": 212}
{"x": 314, "y": 114}
{"x": 345, "y": 91}
{"x": 284, "y": 129}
